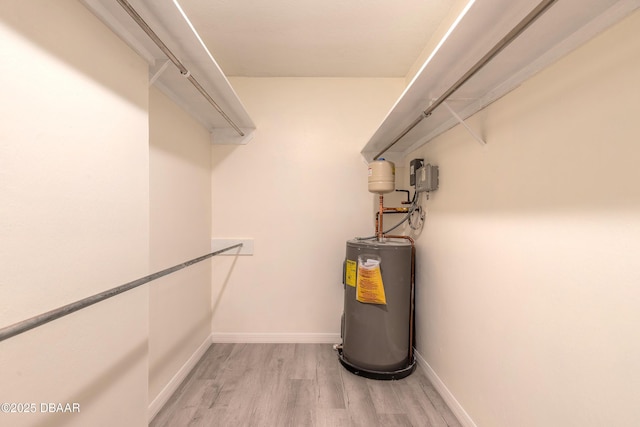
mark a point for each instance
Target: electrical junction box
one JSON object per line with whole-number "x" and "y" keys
{"x": 414, "y": 166}
{"x": 426, "y": 178}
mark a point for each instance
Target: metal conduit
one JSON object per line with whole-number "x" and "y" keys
{"x": 183, "y": 70}
{"x": 538, "y": 11}
{"x": 34, "y": 322}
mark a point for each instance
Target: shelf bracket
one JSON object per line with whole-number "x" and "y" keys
{"x": 466, "y": 126}
{"x": 159, "y": 72}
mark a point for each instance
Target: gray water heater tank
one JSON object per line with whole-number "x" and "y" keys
{"x": 377, "y": 338}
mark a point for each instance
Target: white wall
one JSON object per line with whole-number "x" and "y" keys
{"x": 528, "y": 272}
{"x": 299, "y": 188}
{"x": 180, "y": 227}
{"x": 73, "y": 214}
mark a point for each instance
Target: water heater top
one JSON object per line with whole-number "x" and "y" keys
{"x": 375, "y": 243}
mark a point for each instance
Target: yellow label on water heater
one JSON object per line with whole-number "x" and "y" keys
{"x": 369, "y": 286}
{"x": 350, "y": 271}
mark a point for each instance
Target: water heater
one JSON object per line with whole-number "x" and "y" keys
{"x": 377, "y": 338}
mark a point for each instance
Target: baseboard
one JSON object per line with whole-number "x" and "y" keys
{"x": 447, "y": 396}
{"x": 291, "y": 338}
{"x": 162, "y": 398}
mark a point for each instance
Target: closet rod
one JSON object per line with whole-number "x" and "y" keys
{"x": 183, "y": 70}
{"x": 41, "y": 319}
{"x": 540, "y": 9}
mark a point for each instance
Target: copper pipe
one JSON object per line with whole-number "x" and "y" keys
{"x": 379, "y": 232}
{"x": 413, "y": 280}
{"x": 381, "y": 235}
{"x": 389, "y": 211}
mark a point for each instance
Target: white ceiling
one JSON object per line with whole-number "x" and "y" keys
{"x": 316, "y": 38}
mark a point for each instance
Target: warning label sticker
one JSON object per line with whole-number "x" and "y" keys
{"x": 369, "y": 286}
{"x": 350, "y": 273}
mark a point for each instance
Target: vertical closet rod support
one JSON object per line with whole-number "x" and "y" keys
{"x": 531, "y": 17}
{"x": 183, "y": 70}
{"x": 159, "y": 72}
{"x": 466, "y": 126}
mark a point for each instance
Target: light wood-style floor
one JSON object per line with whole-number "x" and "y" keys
{"x": 297, "y": 385}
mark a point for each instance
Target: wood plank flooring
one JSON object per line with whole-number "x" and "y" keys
{"x": 297, "y": 385}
